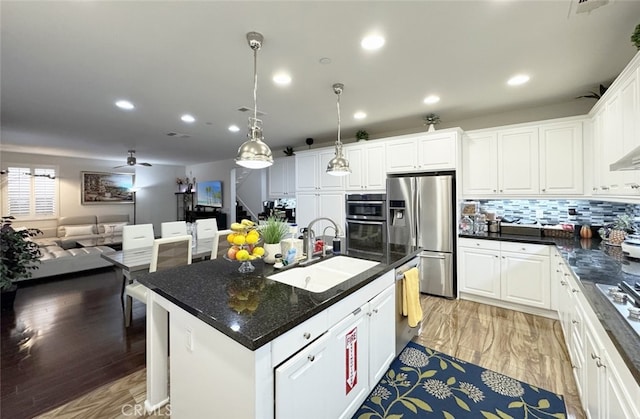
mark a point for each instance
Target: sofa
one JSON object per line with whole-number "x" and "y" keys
{"x": 60, "y": 253}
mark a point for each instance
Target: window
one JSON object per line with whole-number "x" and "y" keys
{"x": 31, "y": 192}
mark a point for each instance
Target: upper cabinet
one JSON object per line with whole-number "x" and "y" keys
{"x": 616, "y": 134}
{"x": 282, "y": 178}
{"x": 367, "y": 163}
{"x": 423, "y": 152}
{"x": 540, "y": 159}
{"x": 311, "y": 171}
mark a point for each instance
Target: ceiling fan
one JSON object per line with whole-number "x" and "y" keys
{"x": 132, "y": 161}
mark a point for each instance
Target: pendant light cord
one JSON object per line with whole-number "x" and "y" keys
{"x": 338, "y": 106}
{"x": 255, "y": 83}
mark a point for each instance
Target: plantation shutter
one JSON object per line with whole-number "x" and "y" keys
{"x": 31, "y": 192}
{"x": 44, "y": 192}
{"x": 19, "y": 191}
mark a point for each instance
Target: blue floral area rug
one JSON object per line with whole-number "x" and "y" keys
{"x": 422, "y": 382}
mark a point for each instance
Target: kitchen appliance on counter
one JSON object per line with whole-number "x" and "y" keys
{"x": 366, "y": 222}
{"x": 421, "y": 212}
{"x": 404, "y": 332}
{"x": 625, "y": 297}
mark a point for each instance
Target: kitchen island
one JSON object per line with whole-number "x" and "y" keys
{"x": 228, "y": 333}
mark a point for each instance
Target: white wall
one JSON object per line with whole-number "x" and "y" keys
{"x": 156, "y": 200}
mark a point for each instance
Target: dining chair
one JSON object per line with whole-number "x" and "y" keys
{"x": 136, "y": 236}
{"x": 173, "y": 228}
{"x": 167, "y": 253}
{"x": 207, "y": 228}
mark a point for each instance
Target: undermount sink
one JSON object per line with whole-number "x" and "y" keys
{"x": 323, "y": 275}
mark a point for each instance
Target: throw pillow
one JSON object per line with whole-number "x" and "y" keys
{"x": 84, "y": 230}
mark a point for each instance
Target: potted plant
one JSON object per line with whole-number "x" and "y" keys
{"x": 273, "y": 231}
{"x": 635, "y": 37}
{"x": 622, "y": 226}
{"x": 431, "y": 120}
{"x": 19, "y": 257}
{"x": 362, "y": 135}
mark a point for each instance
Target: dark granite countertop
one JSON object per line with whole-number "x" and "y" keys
{"x": 250, "y": 308}
{"x": 592, "y": 261}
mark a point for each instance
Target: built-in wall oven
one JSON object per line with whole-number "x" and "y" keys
{"x": 366, "y": 219}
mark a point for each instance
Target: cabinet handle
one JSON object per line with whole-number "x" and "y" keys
{"x": 375, "y": 310}
{"x": 500, "y": 190}
{"x": 594, "y": 356}
{"x": 574, "y": 321}
{"x": 307, "y": 335}
{"x": 524, "y": 249}
{"x": 311, "y": 358}
{"x": 563, "y": 282}
{"x": 494, "y": 190}
{"x": 604, "y": 188}
{"x": 503, "y": 257}
{"x": 574, "y": 290}
{"x": 594, "y": 189}
{"x": 600, "y": 364}
{"x": 544, "y": 190}
{"x": 496, "y": 256}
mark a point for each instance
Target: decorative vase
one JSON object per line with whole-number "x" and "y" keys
{"x": 431, "y": 128}
{"x": 271, "y": 250}
{"x": 585, "y": 232}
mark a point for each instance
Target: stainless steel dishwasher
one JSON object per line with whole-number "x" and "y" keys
{"x": 404, "y": 333}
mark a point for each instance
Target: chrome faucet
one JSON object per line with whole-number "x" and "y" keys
{"x": 310, "y": 236}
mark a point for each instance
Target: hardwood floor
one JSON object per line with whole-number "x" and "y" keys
{"x": 67, "y": 347}
{"x": 65, "y": 337}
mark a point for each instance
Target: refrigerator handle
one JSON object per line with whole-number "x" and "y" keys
{"x": 431, "y": 256}
{"x": 416, "y": 195}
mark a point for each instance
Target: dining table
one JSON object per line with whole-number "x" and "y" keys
{"x": 137, "y": 261}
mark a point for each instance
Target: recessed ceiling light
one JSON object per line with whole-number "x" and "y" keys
{"x": 431, "y": 99}
{"x": 234, "y": 128}
{"x": 518, "y": 80}
{"x": 359, "y": 115}
{"x": 282, "y": 79}
{"x": 125, "y": 104}
{"x": 325, "y": 60}
{"x": 187, "y": 118}
{"x": 372, "y": 42}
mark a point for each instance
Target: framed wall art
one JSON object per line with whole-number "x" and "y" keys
{"x": 107, "y": 188}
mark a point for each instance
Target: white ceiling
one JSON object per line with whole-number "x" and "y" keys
{"x": 64, "y": 64}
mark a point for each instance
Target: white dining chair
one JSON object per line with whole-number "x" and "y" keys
{"x": 167, "y": 253}
{"x": 207, "y": 228}
{"x": 136, "y": 236}
{"x": 173, "y": 228}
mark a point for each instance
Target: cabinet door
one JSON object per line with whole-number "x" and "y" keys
{"x": 326, "y": 181}
{"x": 561, "y": 170}
{"x": 382, "y": 332}
{"x": 357, "y": 179}
{"x": 619, "y": 404}
{"x": 306, "y": 208}
{"x": 600, "y": 167}
{"x": 309, "y": 369}
{"x": 480, "y": 272}
{"x": 289, "y": 174}
{"x": 437, "y": 151}
{"x": 348, "y": 368}
{"x": 518, "y": 161}
{"x": 525, "y": 279}
{"x": 374, "y": 164}
{"x": 630, "y": 113}
{"x": 277, "y": 178}
{"x": 480, "y": 164}
{"x": 306, "y": 172}
{"x": 330, "y": 205}
{"x": 402, "y": 155}
{"x": 594, "y": 400}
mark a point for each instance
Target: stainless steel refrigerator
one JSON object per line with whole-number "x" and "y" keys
{"x": 421, "y": 212}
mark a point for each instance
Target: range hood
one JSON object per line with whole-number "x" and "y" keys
{"x": 630, "y": 161}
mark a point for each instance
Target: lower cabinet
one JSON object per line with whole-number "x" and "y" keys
{"x": 331, "y": 377}
{"x": 511, "y": 272}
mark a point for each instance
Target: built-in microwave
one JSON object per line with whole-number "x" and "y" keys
{"x": 366, "y": 223}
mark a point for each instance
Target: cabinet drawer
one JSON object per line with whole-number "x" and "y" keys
{"x": 528, "y": 248}
{"x": 298, "y": 337}
{"x": 479, "y": 244}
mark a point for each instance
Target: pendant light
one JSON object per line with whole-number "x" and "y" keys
{"x": 254, "y": 153}
{"x": 338, "y": 166}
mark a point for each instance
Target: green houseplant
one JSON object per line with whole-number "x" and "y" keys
{"x": 635, "y": 37}
{"x": 19, "y": 257}
{"x": 362, "y": 135}
{"x": 272, "y": 232}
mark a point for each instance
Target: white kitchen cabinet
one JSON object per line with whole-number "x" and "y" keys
{"x": 310, "y": 206}
{"x": 308, "y": 369}
{"x": 518, "y": 167}
{"x": 541, "y": 159}
{"x": 561, "y": 159}
{"x": 311, "y": 171}
{"x": 515, "y": 273}
{"x": 282, "y": 178}
{"x": 479, "y": 267}
{"x": 367, "y": 162}
{"x": 525, "y": 277}
{"x": 480, "y": 163}
{"x": 423, "y": 152}
{"x": 382, "y": 330}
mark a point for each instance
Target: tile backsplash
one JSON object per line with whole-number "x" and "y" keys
{"x": 556, "y": 211}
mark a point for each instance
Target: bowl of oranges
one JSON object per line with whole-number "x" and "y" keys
{"x": 245, "y": 245}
